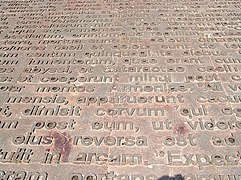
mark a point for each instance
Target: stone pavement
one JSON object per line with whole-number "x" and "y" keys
{"x": 120, "y": 89}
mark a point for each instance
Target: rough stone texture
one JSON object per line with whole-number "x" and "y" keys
{"x": 120, "y": 89}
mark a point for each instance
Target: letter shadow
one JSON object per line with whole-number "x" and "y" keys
{"x": 176, "y": 177}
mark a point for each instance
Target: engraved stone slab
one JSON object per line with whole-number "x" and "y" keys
{"x": 120, "y": 89}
